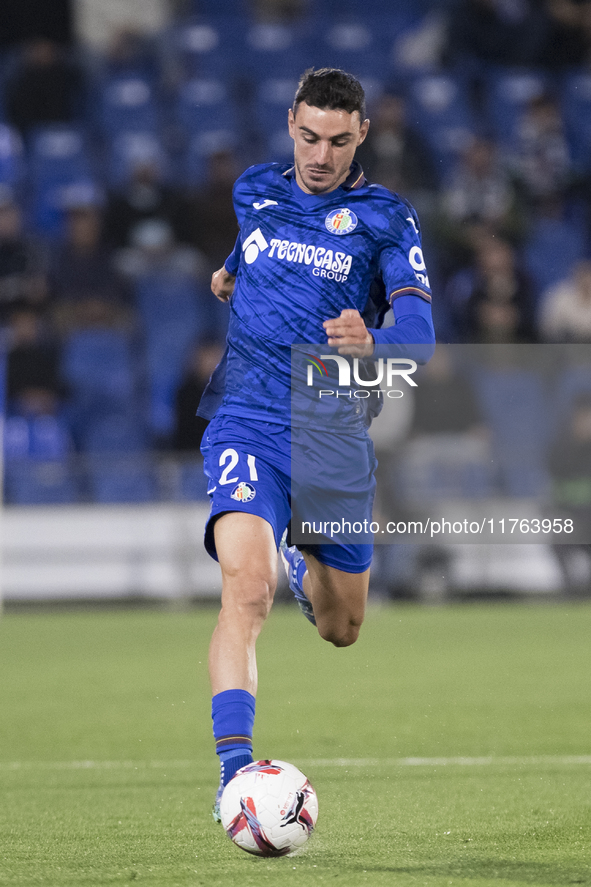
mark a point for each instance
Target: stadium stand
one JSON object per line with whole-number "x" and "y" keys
{"x": 218, "y": 83}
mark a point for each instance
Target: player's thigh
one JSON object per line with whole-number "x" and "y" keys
{"x": 247, "y": 554}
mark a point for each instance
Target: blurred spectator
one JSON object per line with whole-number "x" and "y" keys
{"x": 45, "y": 89}
{"x": 212, "y": 220}
{"x": 21, "y": 21}
{"x": 511, "y": 32}
{"x": 33, "y": 382}
{"x": 86, "y": 289}
{"x": 565, "y": 311}
{"x": 444, "y": 401}
{"x": 279, "y": 10}
{"x": 130, "y": 52}
{"x": 479, "y": 199}
{"x": 570, "y": 466}
{"x": 492, "y": 300}
{"x": 23, "y": 260}
{"x": 145, "y": 197}
{"x": 189, "y": 427}
{"x": 541, "y": 157}
{"x": 154, "y": 250}
{"x": 394, "y": 154}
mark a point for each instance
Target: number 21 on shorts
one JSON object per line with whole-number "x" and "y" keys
{"x": 229, "y": 460}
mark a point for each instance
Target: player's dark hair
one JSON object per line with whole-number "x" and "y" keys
{"x": 331, "y": 88}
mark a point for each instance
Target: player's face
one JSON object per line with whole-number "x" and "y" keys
{"x": 325, "y": 142}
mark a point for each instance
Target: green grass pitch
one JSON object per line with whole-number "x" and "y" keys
{"x": 107, "y": 771}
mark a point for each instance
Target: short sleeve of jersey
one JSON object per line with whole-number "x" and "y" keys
{"x": 402, "y": 264}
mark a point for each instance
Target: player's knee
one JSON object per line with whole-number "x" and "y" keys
{"x": 248, "y": 595}
{"x": 339, "y": 635}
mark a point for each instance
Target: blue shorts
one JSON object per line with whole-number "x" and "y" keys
{"x": 249, "y": 468}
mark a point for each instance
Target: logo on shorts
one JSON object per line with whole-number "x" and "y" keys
{"x": 341, "y": 221}
{"x": 243, "y": 492}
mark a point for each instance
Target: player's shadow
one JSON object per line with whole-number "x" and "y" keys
{"x": 538, "y": 873}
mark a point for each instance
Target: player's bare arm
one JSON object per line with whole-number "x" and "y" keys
{"x": 349, "y": 330}
{"x": 222, "y": 284}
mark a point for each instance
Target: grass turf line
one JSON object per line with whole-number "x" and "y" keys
{"x": 502, "y": 681}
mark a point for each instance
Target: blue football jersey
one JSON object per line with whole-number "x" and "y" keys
{"x": 299, "y": 260}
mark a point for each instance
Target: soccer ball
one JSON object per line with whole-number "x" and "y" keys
{"x": 269, "y": 808}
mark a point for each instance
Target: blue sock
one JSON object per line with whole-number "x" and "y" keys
{"x": 300, "y": 573}
{"x": 233, "y": 721}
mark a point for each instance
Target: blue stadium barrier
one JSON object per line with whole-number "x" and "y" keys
{"x": 192, "y": 486}
{"x": 31, "y": 482}
{"x": 119, "y": 480}
{"x": 114, "y": 432}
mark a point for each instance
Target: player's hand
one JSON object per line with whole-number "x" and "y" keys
{"x": 349, "y": 334}
{"x": 222, "y": 284}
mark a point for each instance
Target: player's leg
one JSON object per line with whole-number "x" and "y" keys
{"x": 247, "y": 554}
{"x": 338, "y": 600}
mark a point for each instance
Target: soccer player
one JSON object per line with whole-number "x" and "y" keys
{"x": 321, "y": 256}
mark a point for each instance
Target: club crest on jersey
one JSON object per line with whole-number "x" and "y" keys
{"x": 341, "y": 221}
{"x": 243, "y": 492}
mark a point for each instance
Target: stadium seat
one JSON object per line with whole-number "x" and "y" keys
{"x": 59, "y": 155}
{"x": 38, "y": 468}
{"x": 191, "y": 168}
{"x": 58, "y": 158}
{"x": 576, "y": 108}
{"x": 515, "y": 405}
{"x": 11, "y": 156}
{"x": 508, "y": 92}
{"x": 359, "y": 45}
{"x": 128, "y": 103}
{"x": 278, "y": 47}
{"x": 173, "y": 317}
{"x": 99, "y": 368}
{"x": 273, "y": 99}
{"x": 211, "y": 46}
{"x": 205, "y": 104}
{"x": 552, "y": 249}
{"x": 129, "y": 148}
{"x": 439, "y": 107}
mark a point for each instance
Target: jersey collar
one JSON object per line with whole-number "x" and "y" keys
{"x": 355, "y": 180}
